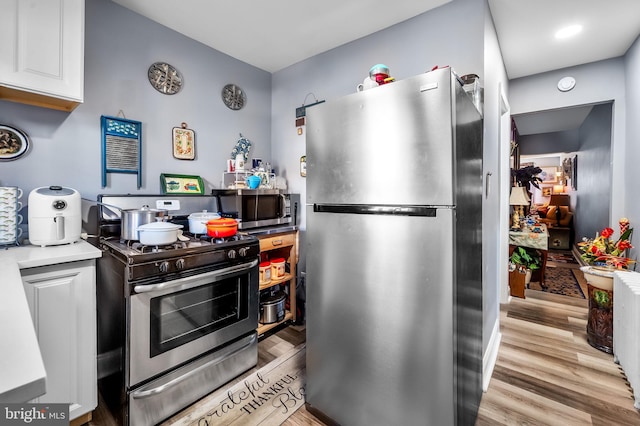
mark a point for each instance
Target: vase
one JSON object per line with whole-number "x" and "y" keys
{"x": 600, "y": 318}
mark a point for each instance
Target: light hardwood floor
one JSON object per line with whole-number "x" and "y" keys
{"x": 546, "y": 372}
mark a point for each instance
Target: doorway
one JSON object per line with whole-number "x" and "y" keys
{"x": 582, "y": 134}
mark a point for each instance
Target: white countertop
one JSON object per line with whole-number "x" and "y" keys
{"x": 21, "y": 366}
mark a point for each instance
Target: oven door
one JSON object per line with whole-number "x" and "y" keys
{"x": 175, "y": 321}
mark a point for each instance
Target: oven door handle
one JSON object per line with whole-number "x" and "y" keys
{"x": 218, "y": 272}
{"x": 174, "y": 382}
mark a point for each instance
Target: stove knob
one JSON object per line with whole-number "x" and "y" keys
{"x": 180, "y": 264}
{"x": 243, "y": 251}
{"x": 231, "y": 254}
{"x": 164, "y": 266}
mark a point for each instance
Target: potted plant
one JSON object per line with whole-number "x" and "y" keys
{"x": 527, "y": 259}
{"x": 603, "y": 255}
{"x": 526, "y": 175}
{"x": 522, "y": 262}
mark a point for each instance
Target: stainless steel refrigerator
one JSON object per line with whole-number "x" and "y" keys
{"x": 394, "y": 255}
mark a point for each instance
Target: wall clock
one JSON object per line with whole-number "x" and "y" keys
{"x": 165, "y": 78}
{"x": 233, "y": 96}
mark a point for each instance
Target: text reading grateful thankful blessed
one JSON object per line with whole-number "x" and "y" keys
{"x": 251, "y": 396}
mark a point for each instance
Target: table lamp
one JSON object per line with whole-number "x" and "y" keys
{"x": 518, "y": 198}
{"x": 559, "y": 200}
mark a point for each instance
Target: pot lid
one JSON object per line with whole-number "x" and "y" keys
{"x": 158, "y": 226}
{"x": 223, "y": 222}
{"x": 204, "y": 215}
{"x": 279, "y": 296}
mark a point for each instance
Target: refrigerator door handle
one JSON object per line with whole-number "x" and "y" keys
{"x": 394, "y": 210}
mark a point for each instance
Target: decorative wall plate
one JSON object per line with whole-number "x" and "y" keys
{"x": 184, "y": 143}
{"x": 14, "y": 143}
{"x": 233, "y": 96}
{"x": 165, "y": 78}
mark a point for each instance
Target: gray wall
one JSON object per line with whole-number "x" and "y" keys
{"x": 495, "y": 204}
{"x": 119, "y": 48}
{"x": 597, "y": 82}
{"x": 453, "y": 34}
{"x": 594, "y": 173}
{"x": 630, "y": 198}
{"x": 545, "y": 143}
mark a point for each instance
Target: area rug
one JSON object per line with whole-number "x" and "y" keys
{"x": 562, "y": 276}
{"x": 266, "y": 398}
{"x": 561, "y": 257}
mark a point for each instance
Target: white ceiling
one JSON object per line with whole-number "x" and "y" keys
{"x": 273, "y": 35}
{"x": 526, "y": 31}
{"x": 556, "y": 120}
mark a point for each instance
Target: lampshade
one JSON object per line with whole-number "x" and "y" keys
{"x": 559, "y": 200}
{"x": 518, "y": 196}
{"x": 558, "y": 189}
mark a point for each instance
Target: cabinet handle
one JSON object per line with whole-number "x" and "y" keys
{"x": 276, "y": 242}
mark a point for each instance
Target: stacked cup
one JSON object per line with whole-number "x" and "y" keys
{"x": 10, "y": 219}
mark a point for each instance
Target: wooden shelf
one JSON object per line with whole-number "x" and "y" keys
{"x": 271, "y": 283}
{"x": 263, "y": 328}
{"x": 285, "y": 245}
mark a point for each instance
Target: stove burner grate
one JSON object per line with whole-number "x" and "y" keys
{"x": 144, "y": 248}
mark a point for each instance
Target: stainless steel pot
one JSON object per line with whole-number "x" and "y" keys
{"x": 272, "y": 308}
{"x": 131, "y": 219}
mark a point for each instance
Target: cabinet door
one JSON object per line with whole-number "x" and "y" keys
{"x": 42, "y": 46}
{"x": 63, "y": 308}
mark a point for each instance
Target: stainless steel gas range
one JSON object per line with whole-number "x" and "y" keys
{"x": 174, "y": 322}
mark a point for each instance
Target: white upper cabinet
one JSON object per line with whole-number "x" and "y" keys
{"x": 42, "y": 51}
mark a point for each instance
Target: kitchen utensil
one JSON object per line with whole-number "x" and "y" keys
{"x": 222, "y": 228}
{"x": 253, "y": 181}
{"x": 54, "y": 216}
{"x": 198, "y": 221}
{"x": 131, "y": 219}
{"x": 158, "y": 233}
{"x": 272, "y": 308}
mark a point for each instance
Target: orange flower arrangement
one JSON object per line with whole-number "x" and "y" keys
{"x": 603, "y": 251}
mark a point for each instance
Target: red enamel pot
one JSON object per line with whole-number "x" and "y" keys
{"x": 222, "y": 228}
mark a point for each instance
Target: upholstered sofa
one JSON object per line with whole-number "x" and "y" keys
{"x": 550, "y": 216}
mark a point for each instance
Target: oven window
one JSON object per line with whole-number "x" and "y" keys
{"x": 180, "y": 317}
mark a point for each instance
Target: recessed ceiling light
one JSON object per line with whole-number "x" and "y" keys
{"x": 569, "y": 31}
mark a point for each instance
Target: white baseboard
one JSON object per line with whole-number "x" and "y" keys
{"x": 491, "y": 355}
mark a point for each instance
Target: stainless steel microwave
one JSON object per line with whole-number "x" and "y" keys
{"x": 255, "y": 207}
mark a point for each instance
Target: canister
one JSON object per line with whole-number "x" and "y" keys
{"x": 265, "y": 272}
{"x": 277, "y": 268}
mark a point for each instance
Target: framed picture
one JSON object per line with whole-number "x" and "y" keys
{"x": 548, "y": 174}
{"x": 14, "y": 143}
{"x": 184, "y": 143}
{"x": 547, "y": 191}
{"x": 181, "y": 184}
{"x": 574, "y": 176}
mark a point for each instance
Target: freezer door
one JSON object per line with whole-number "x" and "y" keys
{"x": 380, "y": 318}
{"x": 390, "y": 144}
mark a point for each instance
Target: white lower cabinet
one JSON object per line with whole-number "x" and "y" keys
{"x": 62, "y": 301}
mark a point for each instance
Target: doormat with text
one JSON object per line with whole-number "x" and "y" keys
{"x": 267, "y": 397}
